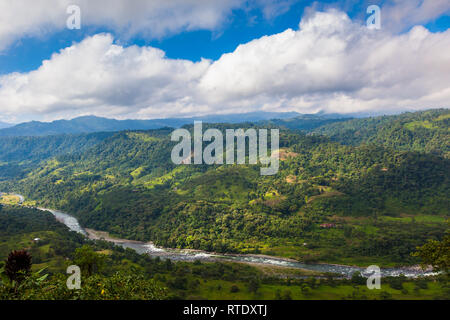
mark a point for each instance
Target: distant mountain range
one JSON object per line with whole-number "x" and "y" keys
{"x": 90, "y": 124}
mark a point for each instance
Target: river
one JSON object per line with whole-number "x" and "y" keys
{"x": 191, "y": 255}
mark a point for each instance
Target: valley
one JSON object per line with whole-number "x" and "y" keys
{"x": 171, "y": 154}
{"x": 150, "y": 249}
{"x": 335, "y": 206}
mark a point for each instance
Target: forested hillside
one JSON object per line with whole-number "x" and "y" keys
{"x": 35, "y": 149}
{"x": 378, "y": 200}
{"x": 20, "y": 154}
{"x": 426, "y": 131}
{"x": 20, "y": 226}
{"x": 305, "y": 122}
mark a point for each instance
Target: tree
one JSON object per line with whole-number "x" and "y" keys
{"x": 88, "y": 260}
{"x": 234, "y": 288}
{"x": 357, "y": 278}
{"x": 436, "y": 254}
{"x": 306, "y": 291}
{"x": 253, "y": 285}
{"x": 287, "y": 295}
{"x": 18, "y": 265}
{"x": 278, "y": 295}
{"x": 384, "y": 295}
{"x": 397, "y": 282}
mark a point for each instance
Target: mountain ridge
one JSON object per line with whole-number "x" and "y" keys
{"x": 90, "y": 124}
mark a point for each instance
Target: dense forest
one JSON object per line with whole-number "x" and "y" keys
{"x": 383, "y": 188}
{"x": 426, "y": 131}
{"x": 19, "y": 155}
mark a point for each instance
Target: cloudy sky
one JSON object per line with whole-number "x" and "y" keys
{"x": 174, "y": 58}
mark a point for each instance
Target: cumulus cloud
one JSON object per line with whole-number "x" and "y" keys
{"x": 329, "y": 64}
{"x": 146, "y": 18}
{"x": 333, "y": 64}
{"x": 101, "y": 77}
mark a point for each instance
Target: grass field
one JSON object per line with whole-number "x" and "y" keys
{"x": 9, "y": 199}
{"x": 226, "y": 290}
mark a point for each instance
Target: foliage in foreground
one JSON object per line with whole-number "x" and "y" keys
{"x": 19, "y": 284}
{"x": 126, "y": 275}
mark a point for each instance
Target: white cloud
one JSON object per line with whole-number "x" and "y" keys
{"x": 158, "y": 18}
{"x": 151, "y": 18}
{"x": 401, "y": 14}
{"x": 396, "y": 15}
{"x": 97, "y": 76}
{"x": 335, "y": 65}
{"x": 330, "y": 64}
{"x": 147, "y": 18}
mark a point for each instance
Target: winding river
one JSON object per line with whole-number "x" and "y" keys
{"x": 191, "y": 255}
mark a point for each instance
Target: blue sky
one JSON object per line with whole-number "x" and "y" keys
{"x": 242, "y": 26}
{"x": 187, "y": 31}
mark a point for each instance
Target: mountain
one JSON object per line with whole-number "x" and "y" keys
{"x": 36, "y": 149}
{"x": 91, "y": 124}
{"x": 18, "y": 155}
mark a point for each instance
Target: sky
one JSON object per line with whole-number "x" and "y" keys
{"x": 148, "y": 59}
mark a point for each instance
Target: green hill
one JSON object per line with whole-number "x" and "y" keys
{"x": 18, "y": 155}
{"x": 425, "y": 131}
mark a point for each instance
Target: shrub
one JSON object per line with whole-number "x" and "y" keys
{"x": 234, "y": 288}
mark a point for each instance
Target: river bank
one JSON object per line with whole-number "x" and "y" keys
{"x": 258, "y": 260}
